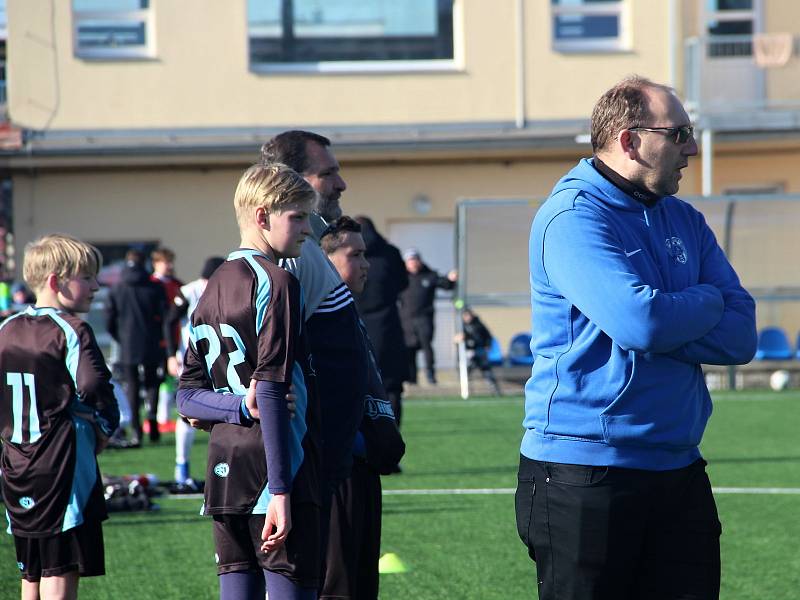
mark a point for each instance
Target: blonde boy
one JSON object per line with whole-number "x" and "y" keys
{"x": 247, "y": 344}
{"x": 57, "y": 409}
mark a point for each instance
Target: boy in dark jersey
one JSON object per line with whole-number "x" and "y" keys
{"x": 57, "y": 409}
{"x": 247, "y": 345}
{"x": 354, "y": 540}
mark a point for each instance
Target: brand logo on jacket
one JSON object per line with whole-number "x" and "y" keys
{"x": 221, "y": 469}
{"x": 375, "y": 408}
{"x": 27, "y": 502}
{"x": 676, "y": 249}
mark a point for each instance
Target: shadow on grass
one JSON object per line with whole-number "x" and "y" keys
{"x": 427, "y": 510}
{"x": 151, "y": 518}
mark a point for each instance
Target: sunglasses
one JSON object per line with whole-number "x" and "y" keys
{"x": 679, "y": 135}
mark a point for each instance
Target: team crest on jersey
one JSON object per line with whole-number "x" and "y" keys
{"x": 21, "y": 566}
{"x": 27, "y": 502}
{"x": 676, "y": 249}
{"x": 221, "y": 469}
{"x": 375, "y": 408}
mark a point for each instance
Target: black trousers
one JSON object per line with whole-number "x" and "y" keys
{"x": 423, "y": 330}
{"x": 354, "y": 545}
{"x": 619, "y": 534}
{"x": 135, "y": 378}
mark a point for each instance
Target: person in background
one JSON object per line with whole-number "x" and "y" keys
{"x": 378, "y": 305}
{"x": 163, "y": 261}
{"x": 417, "y": 311}
{"x": 631, "y": 294}
{"x": 353, "y": 552}
{"x": 135, "y": 318}
{"x": 180, "y": 313}
{"x": 478, "y": 341}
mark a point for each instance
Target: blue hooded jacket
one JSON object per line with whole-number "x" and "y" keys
{"x": 628, "y": 302}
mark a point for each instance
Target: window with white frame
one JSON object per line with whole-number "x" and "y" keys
{"x": 585, "y": 25}
{"x": 331, "y": 35}
{"x": 112, "y": 29}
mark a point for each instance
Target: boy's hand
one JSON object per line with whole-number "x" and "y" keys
{"x": 252, "y": 407}
{"x": 277, "y": 523}
{"x": 173, "y": 366}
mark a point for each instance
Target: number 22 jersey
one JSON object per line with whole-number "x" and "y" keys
{"x": 248, "y": 325}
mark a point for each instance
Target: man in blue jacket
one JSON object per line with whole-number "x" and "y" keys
{"x": 630, "y": 295}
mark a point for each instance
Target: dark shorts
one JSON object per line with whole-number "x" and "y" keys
{"x": 78, "y": 549}
{"x": 608, "y": 533}
{"x": 351, "y": 563}
{"x": 237, "y": 543}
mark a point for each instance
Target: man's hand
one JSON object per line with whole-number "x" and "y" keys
{"x": 453, "y": 275}
{"x": 101, "y": 440}
{"x": 198, "y": 424}
{"x": 252, "y": 407}
{"x": 277, "y": 523}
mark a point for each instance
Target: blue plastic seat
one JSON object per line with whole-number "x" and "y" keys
{"x": 519, "y": 350}
{"x": 773, "y": 344}
{"x": 495, "y": 354}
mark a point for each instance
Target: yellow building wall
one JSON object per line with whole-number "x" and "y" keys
{"x": 200, "y": 75}
{"x": 563, "y": 85}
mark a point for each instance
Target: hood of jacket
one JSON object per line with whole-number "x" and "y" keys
{"x": 133, "y": 274}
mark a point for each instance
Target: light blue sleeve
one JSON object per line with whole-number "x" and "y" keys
{"x": 585, "y": 262}
{"x": 733, "y": 339}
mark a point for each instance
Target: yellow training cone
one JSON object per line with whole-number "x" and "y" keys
{"x": 391, "y": 563}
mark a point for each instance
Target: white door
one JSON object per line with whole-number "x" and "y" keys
{"x": 730, "y": 77}
{"x": 435, "y": 242}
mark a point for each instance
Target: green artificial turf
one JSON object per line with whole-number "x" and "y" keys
{"x": 464, "y": 545}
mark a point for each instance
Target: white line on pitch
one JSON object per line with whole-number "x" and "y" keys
{"x": 501, "y": 491}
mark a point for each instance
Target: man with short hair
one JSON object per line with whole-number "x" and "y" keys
{"x": 417, "y": 311}
{"x": 335, "y": 339}
{"x": 631, "y": 295}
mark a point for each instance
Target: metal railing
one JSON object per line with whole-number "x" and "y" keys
{"x": 733, "y": 73}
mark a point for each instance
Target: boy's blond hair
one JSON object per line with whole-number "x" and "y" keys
{"x": 273, "y": 186}
{"x": 61, "y": 254}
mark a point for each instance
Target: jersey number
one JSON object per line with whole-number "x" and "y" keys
{"x": 206, "y": 332}
{"x": 18, "y": 383}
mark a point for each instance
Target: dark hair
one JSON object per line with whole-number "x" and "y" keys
{"x": 333, "y": 236}
{"x": 624, "y": 105}
{"x": 135, "y": 256}
{"x": 212, "y": 264}
{"x": 289, "y": 148}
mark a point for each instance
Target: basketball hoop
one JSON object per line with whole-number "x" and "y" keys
{"x": 772, "y": 49}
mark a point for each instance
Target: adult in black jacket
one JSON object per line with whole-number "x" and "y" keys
{"x": 135, "y": 318}
{"x": 417, "y": 312}
{"x": 377, "y": 304}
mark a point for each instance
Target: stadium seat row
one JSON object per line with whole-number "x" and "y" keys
{"x": 519, "y": 352}
{"x": 773, "y": 344}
